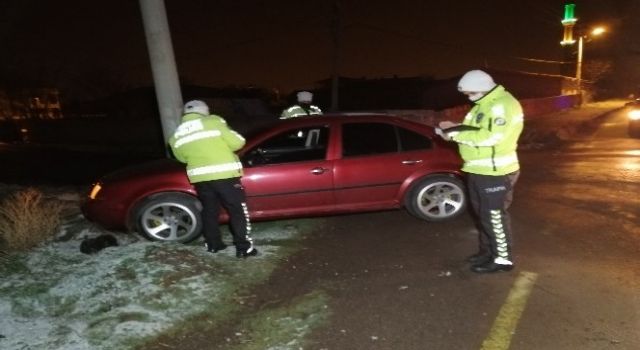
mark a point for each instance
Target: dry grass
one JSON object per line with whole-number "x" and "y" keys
{"x": 27, "y": 218}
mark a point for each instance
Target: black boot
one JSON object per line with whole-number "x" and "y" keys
{"x": 491, "y": 267}
{"x": 218, "y": 247}
{"x": 480, "y": 258}
{"x": 246, "y": 253}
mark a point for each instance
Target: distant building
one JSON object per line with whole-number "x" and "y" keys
{"x": 374, "y": 93}
{"x": 244, "y": 108}
{"x": 34, "y": 103}
{"x": 5, "y": 106}
{"x": 426, "y": 93}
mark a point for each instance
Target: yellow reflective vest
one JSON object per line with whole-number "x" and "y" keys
{"x": 489, "y": 136}
{"x": 299, "y": 111}
{"x": 207, "y": 145}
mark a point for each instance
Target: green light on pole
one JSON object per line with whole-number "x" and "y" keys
{"x": 568, "y": 22}
{"x": 569, "y": 10}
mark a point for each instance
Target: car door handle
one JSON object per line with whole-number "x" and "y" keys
{"x": 411, "y": 162}
{"x": 318, "y": 171}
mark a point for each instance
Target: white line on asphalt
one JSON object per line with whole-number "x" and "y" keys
{"x": 505, "y": 323}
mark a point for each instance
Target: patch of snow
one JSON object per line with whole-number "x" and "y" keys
{"x": 61, "y": 298}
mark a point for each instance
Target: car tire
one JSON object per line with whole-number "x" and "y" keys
{"x": 436, "y": 198}
{"x": 169, "y": 217}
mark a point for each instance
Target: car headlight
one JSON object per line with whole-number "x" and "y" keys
{"x": 634, "y": 114}
{"x": 95, "y": 190}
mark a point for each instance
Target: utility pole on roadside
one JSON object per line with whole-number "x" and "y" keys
{"x": 163, "y": 65}
{"x": 335, "y": 71}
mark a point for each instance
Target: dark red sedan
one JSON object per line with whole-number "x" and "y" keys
{"x": 298, "y": 167}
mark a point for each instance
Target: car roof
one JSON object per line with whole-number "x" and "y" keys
{"x": 336, "y": 117}
{"x": 350, "y": 116}
{"x": 361, "y": 113}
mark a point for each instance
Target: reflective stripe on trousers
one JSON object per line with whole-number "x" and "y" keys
{"x": 490, "y": 198}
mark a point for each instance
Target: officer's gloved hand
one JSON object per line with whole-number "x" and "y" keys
{"x": 442, "y": 134}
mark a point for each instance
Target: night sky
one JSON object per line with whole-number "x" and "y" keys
{"x": 94, "y": 47}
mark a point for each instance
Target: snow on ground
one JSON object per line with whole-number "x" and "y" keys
{"x": 56, "y": 297}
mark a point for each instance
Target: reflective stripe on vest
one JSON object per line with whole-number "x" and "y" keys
{"x": 490, "y": 162}
{"x": 491, "y": 141}
{"x": 196, "y": 136}
{"x": 188, "y": 127}
{"x": 213, "y": 169}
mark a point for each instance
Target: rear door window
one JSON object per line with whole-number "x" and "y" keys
{"x": 413, "y": 141}
{"x": 360, "y": 139}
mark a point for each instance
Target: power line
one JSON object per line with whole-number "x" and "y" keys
{"x": 452, "y": 47}
{"x": 538, "y": 60}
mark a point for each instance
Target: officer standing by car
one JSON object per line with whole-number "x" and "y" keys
{"x": 207, "y": 145}
{"x": 487, "y": 141}
{"x": 303, "y": 108}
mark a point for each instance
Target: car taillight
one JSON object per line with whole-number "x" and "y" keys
{"x": 95, "y": 190}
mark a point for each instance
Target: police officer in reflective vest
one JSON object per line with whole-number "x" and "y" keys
{"x": 303, "y": 108}
{"x": 487, "y": 141}
{"x": 207, "y": 145}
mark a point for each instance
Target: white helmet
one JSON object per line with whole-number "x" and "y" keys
{"x": 476, "y": 81}
{"x": 196, "y": 106}
{"x": 305, "y": 97}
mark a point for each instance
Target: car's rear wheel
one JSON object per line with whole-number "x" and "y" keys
{"x": 436, "y": 198}
{"x": 169, "y": 217}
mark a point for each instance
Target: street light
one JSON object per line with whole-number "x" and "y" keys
{"x": 594, "y": 32}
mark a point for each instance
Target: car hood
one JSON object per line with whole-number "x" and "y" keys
{"x": 155, "y": 167}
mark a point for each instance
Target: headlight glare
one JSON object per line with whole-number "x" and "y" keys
{"x": 634, "y": 114}
{"x": 95, "y": 190}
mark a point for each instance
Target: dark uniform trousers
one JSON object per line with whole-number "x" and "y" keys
{"x": 230, "y": 194}
{"x": 490, "y": 198}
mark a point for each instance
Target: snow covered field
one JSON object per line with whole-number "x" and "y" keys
{"x": 56, "y": 297}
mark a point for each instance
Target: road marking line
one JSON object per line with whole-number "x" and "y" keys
{"x": 505, "y": 323}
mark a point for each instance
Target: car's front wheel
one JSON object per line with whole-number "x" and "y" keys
{"x": 436, "y": 198}
{"x": 169, "y": 217}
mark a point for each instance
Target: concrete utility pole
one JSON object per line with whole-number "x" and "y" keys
{"x": 335, "y": 68}
{"x": 163, "y": 66}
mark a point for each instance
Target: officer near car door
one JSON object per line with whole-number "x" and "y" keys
{"x": 303, "y": 108}
{"x": 207, "y": 145}
{"x": 487, "y": 141}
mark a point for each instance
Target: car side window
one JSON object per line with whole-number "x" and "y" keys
{"x": 295, "y": 145}
{"x": 360, "y": 139}
{"x": 413, "y": 141}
